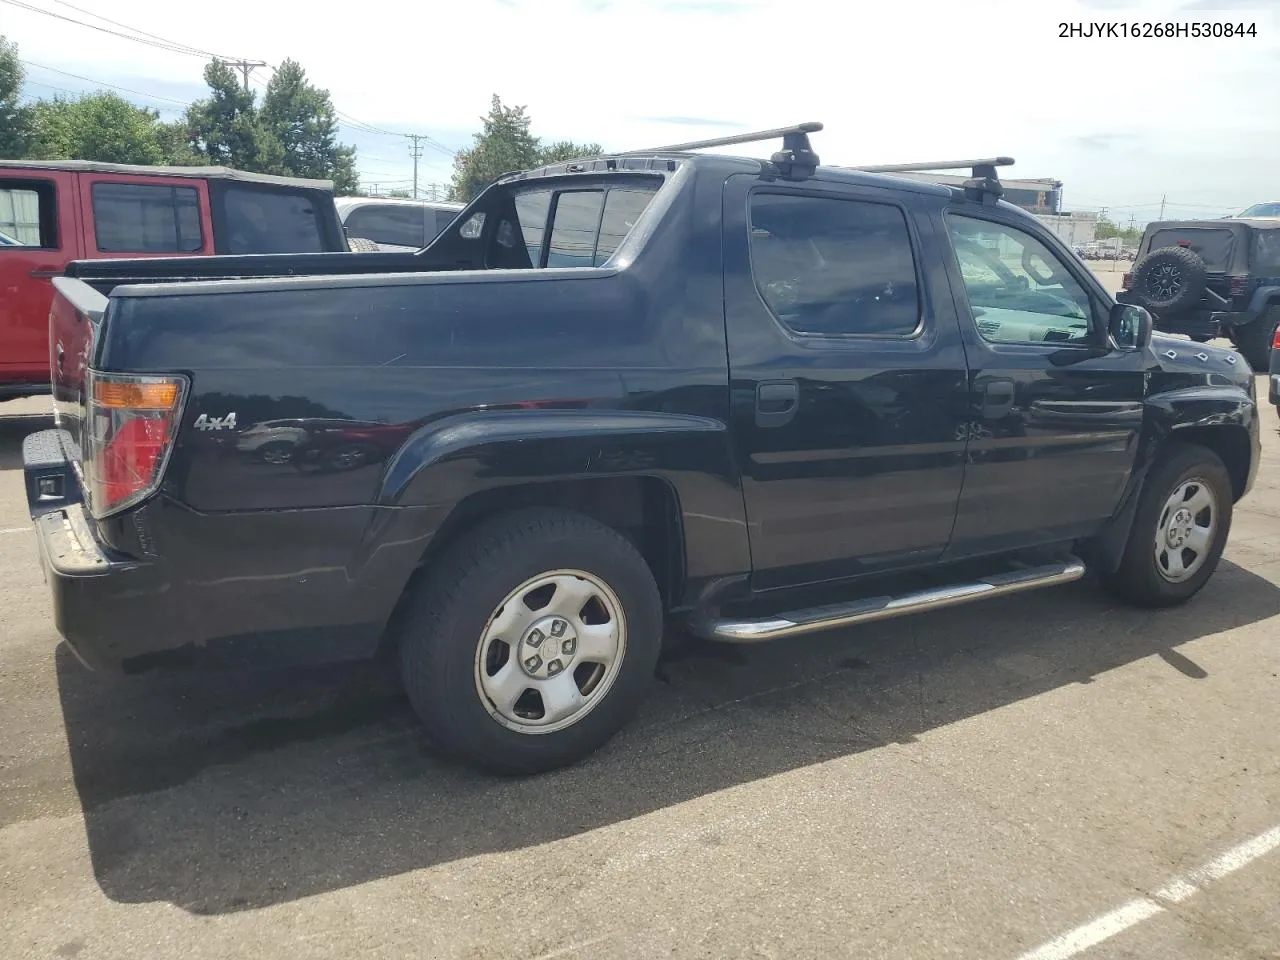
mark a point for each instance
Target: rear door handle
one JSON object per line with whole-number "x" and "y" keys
{"x": 776, "y": 402}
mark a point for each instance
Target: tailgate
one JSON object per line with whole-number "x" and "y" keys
{"x": 74, "y": 321}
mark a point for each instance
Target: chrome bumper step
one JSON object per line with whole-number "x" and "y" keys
{"x": 868, "y": 609}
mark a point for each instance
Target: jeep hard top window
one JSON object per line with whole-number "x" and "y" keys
{"x": 1266, "y": 253}
{"x": 1214, "y": 245}
{"x": 146, "y": 218}
{"x": 27, "y": 214}
{"x": 565, "y": 226}
{"x": 270, "y": 221}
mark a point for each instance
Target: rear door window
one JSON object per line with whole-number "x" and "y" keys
{"x": 270, "y": 221}
{"x": 834, "y": 267}
{"x": 28, "y": 214}
{"x": 146, "y": 218}
{"x": 1213, "y": 246}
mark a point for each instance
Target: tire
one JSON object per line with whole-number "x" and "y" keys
{"x": 1145, "y": 576}
{"x": 361, "y": 245}
{"x": 1254, "y": 340}
{"x": 452, "y": 655}
{"x": 1169, "y": 280}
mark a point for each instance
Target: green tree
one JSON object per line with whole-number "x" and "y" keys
{"x": 563, "y": 150}
{"x": 97, "y": 126}
{"x": 301, "y": 118}
{"x": 503, "y": 144}
{"x": 14, "y": 118}
{"x": 225, "y": 127}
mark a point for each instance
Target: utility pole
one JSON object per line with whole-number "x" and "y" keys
{"x": 1163, "y": 198}
{"x": 415, "y": 151}
{"x": 245, "y": 66}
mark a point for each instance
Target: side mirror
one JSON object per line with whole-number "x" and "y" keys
{"x": 1129, "y": 327}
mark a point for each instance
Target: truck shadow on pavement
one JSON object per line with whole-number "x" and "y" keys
{"x": 222, "y": 792}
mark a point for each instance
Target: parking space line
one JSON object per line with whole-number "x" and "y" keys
{"x": 17, "y": 529}
{"x": 1077, "y": 941}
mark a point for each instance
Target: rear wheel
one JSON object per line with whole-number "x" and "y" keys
{"x": 1179, "y": 530}
{"x": 532, "y": 641}
{"x": 1254, "y": 340}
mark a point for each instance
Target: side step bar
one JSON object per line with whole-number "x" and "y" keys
{"x": 883, "y": 608}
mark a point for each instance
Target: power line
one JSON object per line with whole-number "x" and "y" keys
{"x": 101, "y": 83}
{"x": 167, "y": 45}
{"x": 117, "y": 23}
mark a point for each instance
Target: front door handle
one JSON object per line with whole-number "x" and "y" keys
{"x": 776, "y": 402}
{"x": 997, "y": 399}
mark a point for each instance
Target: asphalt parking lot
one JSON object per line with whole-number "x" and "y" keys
{"x": 1049, "y": 775}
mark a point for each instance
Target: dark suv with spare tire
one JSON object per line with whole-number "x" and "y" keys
{"x": 1211, "y": 278}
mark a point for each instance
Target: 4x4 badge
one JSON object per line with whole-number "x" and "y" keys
{"x": 205, "y": 422}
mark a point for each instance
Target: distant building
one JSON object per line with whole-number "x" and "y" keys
{"x": 1040, "y": 197}
{"x": 1043, "y": 196}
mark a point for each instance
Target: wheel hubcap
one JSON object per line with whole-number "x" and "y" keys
{"x": 1186, "y": 530}
{"x": 1165, "y": 282}
{"x": 550, "y": 651}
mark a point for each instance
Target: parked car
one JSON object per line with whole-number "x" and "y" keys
{"x": 53, "y": 212}
{"x": 658, "y": 386}
{"x": 1211, "y": 278}
{"x": 396, "y": 224}
{"x": 1269, "y": 209}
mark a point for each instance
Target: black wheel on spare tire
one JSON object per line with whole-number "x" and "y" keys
{"x": 1179, "y": 529}
{"x": 1168, "y": 280}
{"x": 531, "y": 641}
{"x": 1254, "y": 339}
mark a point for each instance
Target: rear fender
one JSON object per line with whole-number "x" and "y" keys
{"x": 1263, "y": 297}
{"x": 447, "y": 461}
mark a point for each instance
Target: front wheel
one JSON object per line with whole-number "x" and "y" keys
{"x": 532, "y": 641}
{"x": 1179, "y": 530}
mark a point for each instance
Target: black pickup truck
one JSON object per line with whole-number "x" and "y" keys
{"x": 757, "y": 398}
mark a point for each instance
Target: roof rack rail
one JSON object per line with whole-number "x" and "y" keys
{"x": 796, "y": 160}
{"x": 983, "y": 180}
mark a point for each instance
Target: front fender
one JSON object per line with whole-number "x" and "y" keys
{"x": 1220, "y": 415}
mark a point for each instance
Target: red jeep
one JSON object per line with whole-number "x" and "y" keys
{"x": 53, "y": 212}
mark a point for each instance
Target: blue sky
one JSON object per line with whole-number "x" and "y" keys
{"x": 1122, "y": 122}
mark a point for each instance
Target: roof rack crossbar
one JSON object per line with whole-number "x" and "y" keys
{"x": 934, "y": 166}
{"x": 983, "y": 184}
{"x": 795, "y": 161}
{"x": 757, "y": 137}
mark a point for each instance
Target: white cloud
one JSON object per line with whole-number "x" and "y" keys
{"x": 1121, "y": 120}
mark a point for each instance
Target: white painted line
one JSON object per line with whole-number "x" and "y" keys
{"x": 1105, "y": 927}
{"x": 17, "y": 529}
{"x": 1077, "y": 941}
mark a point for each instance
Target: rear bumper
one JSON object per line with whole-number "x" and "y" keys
{"x": 99, "y": 603}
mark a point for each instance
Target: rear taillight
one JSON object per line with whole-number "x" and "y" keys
{"x": 1127, "y": 282}
{"x": 1275, "y": 340}
{"x": 132, "y": 420}
{"x": 1237, "y": 286}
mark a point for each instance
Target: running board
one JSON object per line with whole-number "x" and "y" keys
{"x": 883, "y": 608}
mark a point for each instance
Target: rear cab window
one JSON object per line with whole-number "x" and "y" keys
{"x": 1266, "y": 252}
{"x": 28, "y": 214}
{"x": 146, "y": 218}
{"x": 566, "y": 225}
{"x": 254, "y": 219}
{"x": 1214, "y": 246}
